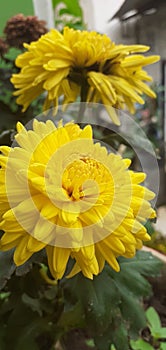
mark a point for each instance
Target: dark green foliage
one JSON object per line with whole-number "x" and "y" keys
{"x": 109, "y": 307}
{"x": 112, "y": 301}
{"x": 6, "y": 137}
{"x": 10, "y": 110}
{"x": 7, "y": 267}
{"x": 97, "y": 298}
{"x": 30, "y": 312}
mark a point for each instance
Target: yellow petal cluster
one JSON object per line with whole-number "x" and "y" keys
{"x": 80, "y": 63}
{"x": 61, "y": 191}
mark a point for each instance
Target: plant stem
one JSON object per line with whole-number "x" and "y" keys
{"x": 84, "y": 92}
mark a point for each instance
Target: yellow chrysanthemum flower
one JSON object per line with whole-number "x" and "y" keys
{"x": 63, "y": 192}
{"x": 87, "y": 64}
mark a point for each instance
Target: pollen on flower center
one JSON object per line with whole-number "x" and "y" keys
{"x": 83, "y": 177}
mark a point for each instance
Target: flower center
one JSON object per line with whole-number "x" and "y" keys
{"x": 85, "y": 177}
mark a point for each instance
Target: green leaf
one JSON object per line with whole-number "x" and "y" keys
{"x": 76, "y": 25}
{"x": 7, "y": 267}
{"x": 55, "y": 3}
{"x": 132, "y": 286}
{"x": 27, "y": 342}
{"x": 132, "y": 312}
{"x": 149, "y": 227}
{"x": 24, "y": 327}
{"x": 115, "y": 334}
{"x": 16, "y": 323}
{"x": 140, "y": 344}
{"x": 4, "y": 295}
{"x": 33, "y": 303}
{"x": 103, "y": 341}
{"x": 29, "y": 335}
{"x": 112, "y": 302}
{"x": 162, "y": 346}
{"x": 73, "y": 318}
{"x": 73, "y": 7}
{"x": 144, "y": 262}
{"x": 132, "y": 280}
{"x": 98, "y": 297}
{"x": 120, "y": 337}
{"x": 153, "y": 321}
{"x": 112, "y": 347}
{"x": 90, "y": 343}
{"x": 64, "y": 11}
{"x": 162, "y": 333}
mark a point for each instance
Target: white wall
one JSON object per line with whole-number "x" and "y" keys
{"x": 98, "y": 12}
{"x": 89, "y": 16}
{"x": 104, "y": 10}
{"x": 43, "y": 10}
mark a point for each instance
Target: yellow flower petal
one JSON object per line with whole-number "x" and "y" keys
{"x": 61, "y": 191}
{"x": 62, "y": 64}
